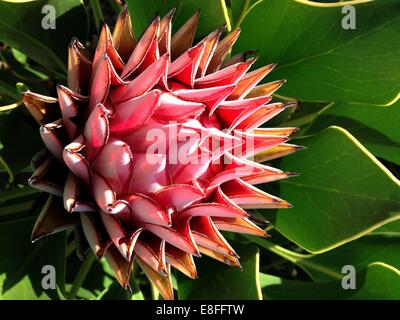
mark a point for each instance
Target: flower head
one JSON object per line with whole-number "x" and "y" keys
{"x": 154, "y": 147}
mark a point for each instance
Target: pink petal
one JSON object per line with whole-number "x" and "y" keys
{"x": 143, "y": 82}
{"x": 133, "y": 113}
{"x": 178, "y": 196}
{"x": 145, "y": 50}
{"x": 52, "y": 134}
{"x": 115, "y": 164}
{"x": 229, "y": 75}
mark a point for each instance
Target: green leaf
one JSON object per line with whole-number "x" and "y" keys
{"x": 375, "y": 127}
{"x": 21, "y": 28}
{"x": 20, "y": 137}
{"x": 378, "y": 281}
{"x": 391, "y": 230}
{"x": 342, "y": 192}
{"x": 142, "y": 12}
{"x": 218, "y": 281}
{"x": 320, "y": 60}
{"x": 22, "y": 262}
{"x": 357, "y": 253}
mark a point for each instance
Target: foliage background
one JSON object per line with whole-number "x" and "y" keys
{"x": 346, "y": 200}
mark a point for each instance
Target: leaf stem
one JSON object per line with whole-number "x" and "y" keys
{"x": 6, "y": 167}
{"x": 17, "y": 193}
{"x": 246, "y": 6}
{"x": 97, "y": 12}
{"x": 226, "y": 15}
{"x": 80, "y": 277}
{"x": 296, "y": 258}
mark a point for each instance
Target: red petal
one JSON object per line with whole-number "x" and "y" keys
{"x": 123, "y": 38}
{"x": 145, "y": 50}
{"x": 115, "y": 163}
{"x": 178, "y": 196}
{"x": 133, "y": 113}
{"x": 223, "y": 48}
{"x": 181, "y": 260}
{"x": 96, "y": 131}
{"x": 52, "y": 136}
{"x": 79, "y": 68}
{"x": 182, "y": 39}
{"x": 142, "y": 83}
{"x": 229, "y": 75}
{"x": 249, "y": 81}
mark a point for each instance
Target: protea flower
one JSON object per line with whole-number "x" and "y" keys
{"x": 136, "y": 203}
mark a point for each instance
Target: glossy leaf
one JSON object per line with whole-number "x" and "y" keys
{"x": 218, "y": 281}
{"x": 378, "y": 281}
{"x": 342, "y": 193}
{"x": 375, "y": 127}
{"x": 322, "y": 61}
{"x": 21, "y": 26}
{"x": 22, "y": 262}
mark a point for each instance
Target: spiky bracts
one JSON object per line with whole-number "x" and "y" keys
{"x": 150, "y": 148}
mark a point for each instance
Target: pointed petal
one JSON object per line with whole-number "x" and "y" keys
{"x": 149, "y": 173}
{"x": 178, "y": 196}
{"x": 97, "y": 240}
{"x": 103, "y": 76}
{"x": 233, "y": 112}
{"x": 179, "y": 235}
{"x": 255, "y": 143}
{"x": 96, "y": 131}
{"x": 163, "y": 283}
{"x": 122, "y": 240}
{"x": 105, "y": 196}
{"x": 184, "y": 68}
{"x": 52, "y": 135}
{"x": 265, "y": 89}
{"x": 259, "y": 116}
{"x": 53, "y": 218}
{"x": 211, "y": 42}
{"x": 181, "y": 260}
{"x": 249, "y": 197}
{"x": 77, "y": 162}
{"x": 268, "y": 176}
{"x": 211, "y": 210}
{"x": 240, "y": 57}
{"x": 223, "y": 77}
{"x": 44, "y": 109}
{"x": 142, "y": 83}
{"x": 164, "y": 36}
{"x": 172, "y": 108}
{"x": 105, "y": 47}
{"x": 145, "y": 52}
{"x": 115, "y": 164}
{"x": 277, "y": 132}
{"x": 249, "y": 81}
{"x": 69, "y": 109}
{"x": 238, "y": 225}
{"x": 234, "y": 168}
{"x": 207, "y": 236}
{"x": 182, "y": 40}
{"x": 151, "y": 250}
{"x": 145, "y": 210}
{"x": 224, "y": 258}
{"x": 79, "y": 68}
{"x": 133, "y": 113}
{"x": 223, "y": 48}
{"x": 211, "y": 97}
{"x": 121, "y": 267}
{"x": 46, "y": 178}
{"x": 123, "y": 38}
{"x": 277, "y": 152}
